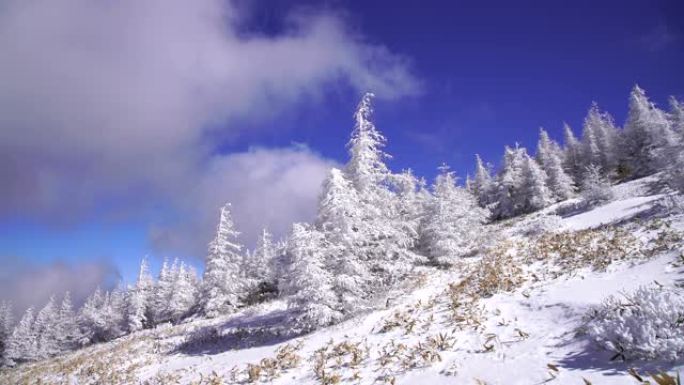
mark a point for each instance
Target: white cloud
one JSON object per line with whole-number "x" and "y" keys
{"x": 105, "y": 105}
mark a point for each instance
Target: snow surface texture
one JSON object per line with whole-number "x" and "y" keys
{"x": 532, "y": 330}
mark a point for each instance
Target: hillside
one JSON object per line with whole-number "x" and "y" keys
{"x": 511, "y": 315}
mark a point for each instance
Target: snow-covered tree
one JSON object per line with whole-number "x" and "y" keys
{"x": 113, "y": 311}
{"x": 162, "y": 291}
{"x": 572, "y": 154}
{"x": 223, "y": 283}
{"x": 599, "y": 140}
{"x": 411, "y": 200}
{"x": 91, "y": 320}
{"x": 45, "y": 328}
{"x": 676, "y": 115}
{"x": 482, "y": 185}
{"x": 184, "y": 294}
{"x": 453, "y": 225}
{"x": 22, "y": 344}
{"x": 549, "y": 158}
{"x": 340, "y": 220}
{"x": 535, "y": 194}
{"x": 66, "y": 328}
{"x": 5, "y": 330}
{"x": 595, "y": 186}
{"x": 259, "y": 263}
{"x": 646, "y": 136}
{"x": 508, "y": 197}
{"x": 307, "y": 283}
{"x": 139, "y": 299}
{"x": 385, "y": 246}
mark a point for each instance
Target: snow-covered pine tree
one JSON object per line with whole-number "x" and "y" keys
{"x": 646, "y": 135}
{"x": 600, "y": 140}
{"x": 676, "y": 116}
{"x": 482, "y": 185}
{"x": 411, "y": 200}
{"x": 259, "y": 269}
{"x": 223, "y": 284}
{"x": 113, "y": 310}
{"x": 385, "y": 247}
{"x": 508, "y": 196}
{"x": 138, "y": 300}
{"x": 595, "y": 187}
{"x": 161, "y": 294}
{"x": 340, "y": 220}
{"x": 452, "y": 227}
{"x": 91, "y": 320}
{"x": 572, "y": 154}
{"x": 673, "y": 156}
{"x": 549, "y": 158}
{"x": 67, "y": 327}
{"x": 22, "y": 344}
{"x": 184, "y": 295}
{"x": 307, "y": 283}
{"x": 535, "y": 194}
{"x": 5, "y": 330}
{"x": 44, "y": 329}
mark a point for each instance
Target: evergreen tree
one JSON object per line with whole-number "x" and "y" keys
{"x": 223, "y": 282}
{"x": 385, "y": 247}
{"x": 509, "y": 187}
{"x": 647, "y": 135}
{"x": 67, "y": 327}
{"x": 138, "y": 300}
{"x": 184, "y": 296}
{"x": 340, "y": 220}
{"x": 604, "y": 137}
{"x": 91, "y": 320}
{"x": 595, "y": 187}
{"x": 163, "y": 290}
{"x": 453, "y": 225}
{"x": 676, "y": 116}
{"x": 259, "y": 264}
{"x": 482, "y": 185}
{"x": 307, "y": 284}
{"x": 535, "y": 194}
{"x": 44, "y": 330}
{"x": 22, "y": 344}
{"x": 572, "y": 154}
{"x": 5, "y": 330}
{"x": 549, "y": 158}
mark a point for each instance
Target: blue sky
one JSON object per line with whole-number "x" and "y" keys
{"x": 459, "y": 78}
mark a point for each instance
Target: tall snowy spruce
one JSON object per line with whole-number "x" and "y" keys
{"x": 453, "y": 225}
{"x": 600, "y": 140}
{"x": 139, "y": 299}
{"x": 222, "y": 283}
{"x": 5, "y": 330}
{"x": 22, "y": 344}
{"x": 482, "y": 185}
{"x": 549, "y": 156}
{"x": 646, "y": 135}
{"x": 67, "y": 332}
{"x": 382, "y": 244}
{"x": 535, "y": 194}
{"x": 340, "y": 220}
{"x": 673, "y": 155}
{"x": 572, "y": 154}
{"x": 44, "y": 330}
{"x": 183, "y": 297}
{"x": 509, "y": 185}
{"x": 307, "y": 283}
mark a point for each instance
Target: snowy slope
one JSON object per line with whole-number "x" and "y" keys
{"x": 510, "y": 337}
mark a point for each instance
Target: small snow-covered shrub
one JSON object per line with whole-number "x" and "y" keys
{"x": 540, "y": 224}
{"x": 647, "y": 324}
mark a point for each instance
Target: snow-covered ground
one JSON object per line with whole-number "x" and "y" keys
{"x": 528, "y": 334}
